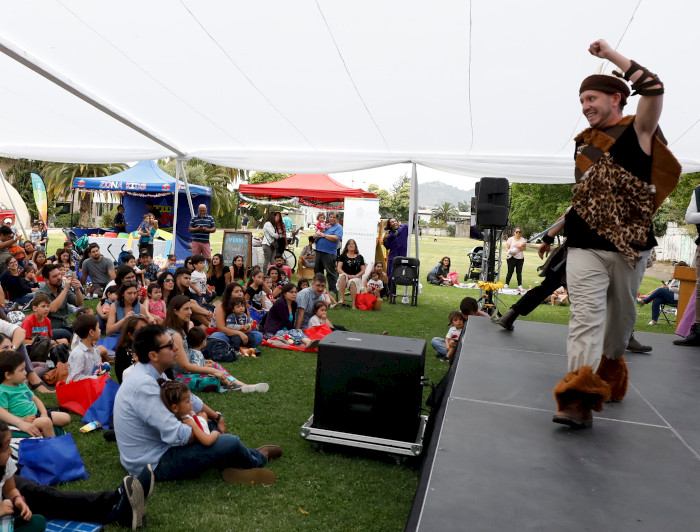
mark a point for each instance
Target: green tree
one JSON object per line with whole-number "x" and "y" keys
{"x": 384, "y": 197}
{"x": 673, "y": 209}
{"x": 464, "y": 206}
{"x": 444, "y": 211}
{"x": 266, "y": 177}
{"x": 400, "y": 201}
{"x": 59, "y": 177}
{"x": 18, "y": 174}
{"x": 535, "y": 207}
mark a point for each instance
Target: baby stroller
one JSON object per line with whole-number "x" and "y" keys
{"x": 79, "y": 244}
{"x": 476, "y": 259}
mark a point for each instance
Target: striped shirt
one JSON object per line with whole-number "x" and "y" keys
{"x": 202, "y": 221}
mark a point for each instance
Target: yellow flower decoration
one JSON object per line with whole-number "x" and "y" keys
{"x": 490, "y": 287}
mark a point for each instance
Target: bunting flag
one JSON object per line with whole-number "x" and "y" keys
{"x": 40, "y": 196}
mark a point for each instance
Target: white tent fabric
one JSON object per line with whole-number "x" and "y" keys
{"x": 478, "y": 88}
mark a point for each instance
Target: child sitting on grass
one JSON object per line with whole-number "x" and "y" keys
{"x": 85, "y": 360}
{"x": 110, "y": 296}
{"x": 26, "y": 410}
{"x": 374, "y": 284}
{"x": 176, "y": 398}
{"x": 320, "y": 317}
{"x": 452, "y": 337}
{"x": 197, "y": 340}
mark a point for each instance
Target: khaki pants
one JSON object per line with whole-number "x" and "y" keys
{"x": 602, "y": 290}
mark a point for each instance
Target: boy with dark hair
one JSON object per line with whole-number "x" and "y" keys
{"x": 148, "y": 268}
{"x": 85, "y": 360}
{"x": 38, "y": 324}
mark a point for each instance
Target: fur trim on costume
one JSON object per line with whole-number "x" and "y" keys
{"x": 615, "y": 373}
{"x": 583, "y": 385}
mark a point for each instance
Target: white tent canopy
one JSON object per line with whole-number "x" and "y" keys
{"x": 476, "y": 88}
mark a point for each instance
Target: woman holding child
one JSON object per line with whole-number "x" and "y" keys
{"x": 11, "y": 281}
{"x": 233, "y": 322}
{"x": 123, "y": 308}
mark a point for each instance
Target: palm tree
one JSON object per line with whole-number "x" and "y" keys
{"x": 59, "y": 182}
{"x": 444, "y": 211}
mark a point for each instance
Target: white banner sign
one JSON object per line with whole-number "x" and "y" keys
{"x": 360, "y": 219}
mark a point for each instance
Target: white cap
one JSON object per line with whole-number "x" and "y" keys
{"x": 7, "y": 220}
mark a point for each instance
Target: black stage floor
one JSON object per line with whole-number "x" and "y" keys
{"x": 498, "y": 463}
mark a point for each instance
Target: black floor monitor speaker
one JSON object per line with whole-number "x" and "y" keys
{"x": 491, "y": 204}
{"x": 370, "y": 385}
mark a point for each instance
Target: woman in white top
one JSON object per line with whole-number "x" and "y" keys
{"x": 269, "y": 240}
{"x": 515, "y": 246}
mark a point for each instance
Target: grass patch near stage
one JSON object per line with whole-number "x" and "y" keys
{"x": 315, "y": 490}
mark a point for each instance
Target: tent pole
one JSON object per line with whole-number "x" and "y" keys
{"x": 187, "y": 186}
{"x": 413, "y": 214}
{"x": 177, "y": 195}
{"x": 17, "y": 220}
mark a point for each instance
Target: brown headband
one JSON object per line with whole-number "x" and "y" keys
{"x": 605, "y": 83}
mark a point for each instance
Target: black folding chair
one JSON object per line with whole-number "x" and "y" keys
{"x": 405, "y": 272}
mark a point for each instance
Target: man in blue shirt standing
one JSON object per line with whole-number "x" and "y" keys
{"x": 201, "y": 226}
{"x": 148, "y": 433}
{"x": 327, "y": 250}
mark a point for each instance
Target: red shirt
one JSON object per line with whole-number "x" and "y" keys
{"x": 33, "y": 327}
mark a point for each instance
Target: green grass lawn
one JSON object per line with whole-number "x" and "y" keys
{"x": 327, "y": 490}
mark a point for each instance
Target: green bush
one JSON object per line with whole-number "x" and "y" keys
{"x": 451, "y": 230}
{"x": 64, "y": 220}
{"x": 108, "y": 218}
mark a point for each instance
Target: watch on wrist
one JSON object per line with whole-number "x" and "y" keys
{"x": 219, "y": 415}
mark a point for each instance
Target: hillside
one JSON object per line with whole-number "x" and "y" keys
{"x": 435, "y": 193}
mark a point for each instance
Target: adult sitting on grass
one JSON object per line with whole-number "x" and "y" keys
{"x": 11, "y": 281}
{"x": 306, "y": 299}
{"x": 61, "y": 295}
{"x": 166, "y": 280}
{"x": 99, "y": 268}
{"x": 177, "y": 322}
{"x": 147, "y": 433}
{"x": 182, "y": 288}
{"x": 279, "y": 323}
{"x": 438, "y": 275}
{"x": 122, "y": 309}
{"x": 124, "y": 356}
{"x": 233, "y": 321}
{"x": 351, "y": 267}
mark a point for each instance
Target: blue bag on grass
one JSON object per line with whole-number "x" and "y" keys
{"x": 101, "y": 410}
{"x": 50, "y": 461}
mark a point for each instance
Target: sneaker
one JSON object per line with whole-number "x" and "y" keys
{"x": 131, "y": 508}
{"x": 640, "y": 302}
{"x": 147, "y": 480}
{"x": 261, "y": 387}
{"x": 505, "y": 286}
{"x": 256, "y": 475}
{"x": 652, "y": 322}
{"x": 313, "y": 344}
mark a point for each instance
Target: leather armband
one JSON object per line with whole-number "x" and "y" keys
{"x": 646, "y": 80}
{"x": 548, "y": 239}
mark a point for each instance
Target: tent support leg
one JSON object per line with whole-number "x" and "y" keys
{"x": 187, "y": 186}
{"x": 175, "y": 201}
{"x": 413, "y": 214}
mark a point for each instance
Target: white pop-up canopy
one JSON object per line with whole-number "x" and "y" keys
{"x": 314, "y": 86}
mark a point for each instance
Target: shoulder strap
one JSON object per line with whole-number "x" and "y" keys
{"x": 591, "y": 154}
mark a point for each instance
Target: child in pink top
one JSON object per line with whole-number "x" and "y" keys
{"x": 154, "y": 306}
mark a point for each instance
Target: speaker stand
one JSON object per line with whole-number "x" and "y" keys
{"x": 491, "y": 272}
{"x": 414, "y": 448}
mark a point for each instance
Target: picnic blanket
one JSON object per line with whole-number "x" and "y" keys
{"x": 315, "y": 333}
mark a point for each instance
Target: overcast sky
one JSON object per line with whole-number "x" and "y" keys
{"x": 387, "y": 175}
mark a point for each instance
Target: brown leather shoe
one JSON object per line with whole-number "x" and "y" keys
{"x": 574, "y": 414}
{"x": 271, "y": 452}
{"x": 508, "y": 320}
{"x": 256, "y": 475}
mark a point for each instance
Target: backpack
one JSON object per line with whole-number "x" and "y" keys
{"x": 39, "y": 350}
{"x": 59, "y": 353}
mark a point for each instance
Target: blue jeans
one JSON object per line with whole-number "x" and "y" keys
{"x": 190, "y": 460}
{"x": 439, "y": 345}
{"x": 659, "y": 297}
{"x": 255, "y": 338}
{"x": 23, "y": 300}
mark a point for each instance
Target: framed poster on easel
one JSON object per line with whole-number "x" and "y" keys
{"x": 237, "y": 243}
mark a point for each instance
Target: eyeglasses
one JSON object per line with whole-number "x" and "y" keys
{"x": 170, "y": 344}
{"x": 168, "y": 280}
{"x": 518, "y": 231}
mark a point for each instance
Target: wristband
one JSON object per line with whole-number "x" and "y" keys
{"x": 548, "y": 239}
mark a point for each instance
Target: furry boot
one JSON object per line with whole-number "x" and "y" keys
{"x": 577, "y": 394}
{"x": 615, "y": 373}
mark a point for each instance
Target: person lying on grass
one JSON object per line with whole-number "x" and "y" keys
{"x": 148, "y": 433}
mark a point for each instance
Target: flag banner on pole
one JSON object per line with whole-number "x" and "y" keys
{"x": 39, "y": 196}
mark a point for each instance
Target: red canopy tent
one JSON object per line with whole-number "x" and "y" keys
{"x": 320, "y": 187}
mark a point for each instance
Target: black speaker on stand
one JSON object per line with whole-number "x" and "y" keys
{"x": 369, "y": 392}
{"x": 491, "y": 208}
